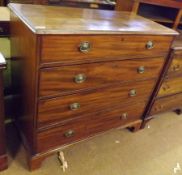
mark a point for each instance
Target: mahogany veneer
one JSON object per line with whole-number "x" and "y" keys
{"x": 169, "y": 94}
{"x": 3, "y": 155}
{"x": 51, "y": 83}
{"x": 84, "y": 76}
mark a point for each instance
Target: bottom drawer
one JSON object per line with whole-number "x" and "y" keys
{"x": 92, "y": 124}
{"x": 65, "y": 134}
{"x": 167, "y": 103}
{"x": 109, "y": 119}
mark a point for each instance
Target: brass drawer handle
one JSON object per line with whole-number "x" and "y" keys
{"x": 74, "y": 106}
{"x": 132, "y": 93}
{"x": 141, "y": 69}
{"x": 84, "y": 47}
{"x": 165, "y": 87}
{"x": 69, "y": 133}
{"x": 159, "y": 108}
{"x": 150, "y": 45}
{"x": 1, "y": 29}
{"x": 176, "y": 67}
{"x": 80, "y": 78}
{"x": 124, "y": 116}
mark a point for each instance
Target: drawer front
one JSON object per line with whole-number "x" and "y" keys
{"x": 108, "y": 119}
{"x": 4, "y": 28}
{"x": 167, "y": 103}
{"x": 56, "y": 110}
{"x": 65, "y": 134}
{"x": 171, "y": 86}
{"x": 78, "y": 129}
{"x": 71, "y": 49}
{"x": 87, "y": 76}
{"x": 176, "y": 66}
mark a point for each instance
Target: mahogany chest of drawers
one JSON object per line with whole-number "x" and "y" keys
{"x": 169, "y": 96}
{"x": 3, "y": 155}
{"x": 82, "y": 72}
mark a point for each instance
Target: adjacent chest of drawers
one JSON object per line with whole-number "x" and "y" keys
{"x": 169, "y": 97}
{"x": 3, "y": 155}
{"x": 82, "y": 73}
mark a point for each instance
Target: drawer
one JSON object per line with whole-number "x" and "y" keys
{"x": 122, "y": 115}
{"x": 84, "y": 127}
{"x": 65, "y": 134}
{"x": 87, "y": 76}
{"x": 176, "y": 65}
{"x": 71, "y": 49}
{"x": 167, "y": 103}
{"x": 62, "y": 108}
{"x": 171, "y": 86}
{"x": 4, "y": 28}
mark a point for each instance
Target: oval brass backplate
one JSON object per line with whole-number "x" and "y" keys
{"x": 141, "y": 69}
{"x": 69, "y": 133}
{"x": 132, "y": 93}
{"x": 124, "y": 116}
{"x": 80, "y": 78}
{"x": 74, "y": 106}
{"x": 84, "y": 47}
{"x": 150, "y": 45}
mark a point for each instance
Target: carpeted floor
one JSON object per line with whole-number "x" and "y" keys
{"x": 156, "y": 150}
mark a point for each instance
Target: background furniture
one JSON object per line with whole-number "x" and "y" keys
{"x": 167, "y": 12}
{"x": 168, "y": 94}
{"x": 4, "y": 74}
{"x": 3, "y": 156}
{"x": 5, "y": 50}
{"x": 94, "y": 4}
{"x": 2, "y": 3}
{"x": 79, "y": 79}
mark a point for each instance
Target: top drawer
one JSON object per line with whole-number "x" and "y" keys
{"x": 71, "y": 49}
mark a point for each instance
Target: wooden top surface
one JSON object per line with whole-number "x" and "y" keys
{"x": 43, "y": 19}
{"x": 177, "y": 44}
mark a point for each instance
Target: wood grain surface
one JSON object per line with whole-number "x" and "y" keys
{"x": 65, "y": 49}
{"x": 114, "y": 117}
{"x": 171, "y": 86}
{"x": 167, "y": 104}
{"x": 24, "y": 77}
{"x": 177, "y": 44}
{"x": 46, "y": 57}
{"x": 66, "y": 20}
{"x": 58, "y": 109}
{"x": 55, "y": 137}
{"x": 84, "y": 127}
{"x": 176, "y": 66}
{"x": 60, "y": 80}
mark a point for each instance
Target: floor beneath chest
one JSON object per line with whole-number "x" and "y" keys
{"x": 156, "y": 150}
